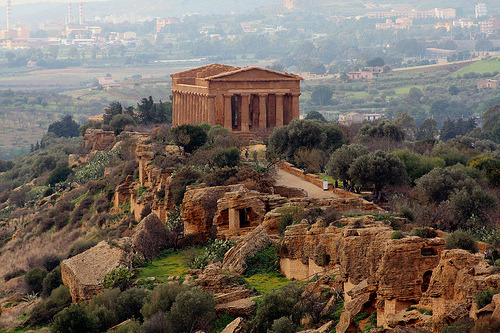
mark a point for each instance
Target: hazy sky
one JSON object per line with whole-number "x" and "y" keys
{"x": 14, "y": 2}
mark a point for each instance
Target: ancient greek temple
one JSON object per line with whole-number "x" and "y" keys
{"x": 239, "y": 99}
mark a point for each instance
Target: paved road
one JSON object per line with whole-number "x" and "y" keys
{"x": 286, "y": 179}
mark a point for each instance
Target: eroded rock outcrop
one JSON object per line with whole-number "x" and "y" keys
{"x": 236, "y": 258}
{"x": 84, "y": 273}
{"x": 454, "y": 283}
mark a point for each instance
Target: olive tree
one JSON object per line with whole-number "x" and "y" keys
{"x": 340, "y": 161}
{"x": 285, "y": 141}
{"x": 378, "y": 169}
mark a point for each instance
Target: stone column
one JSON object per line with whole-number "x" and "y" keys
{"x": 203, "y": 99}
{"x": 227, "y": 112}
{"x": 245, "y": 112}
{"x": 279, "y": 109}
{"x": 174, "y": 108}
{"x": 180, "y": 116}
{"x": 262, "y": 111}
{"x": 196, "y": 107}
{"x": 295, "y": 106}
{"x": 234, "y": 219}
{"x": 177, "y": 103}
{"x": 211, "y": 110}
{"x": 185, "y": 108}
{"x": 191, "y": 109}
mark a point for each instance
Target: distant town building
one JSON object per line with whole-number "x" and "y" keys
{"x": 106, "y": 80}
{"x": 481, "y": 10}
{"x": 163, "y": 22}
{"x": 488, "y": 84}
{"x": 489, "y": 26}
{"x": 19, "y": 33}
{"x": 400, "y": 23}
{"x": 463, "y": 23}
{"x": 446, "y": 25}
{"x": 367, "y": 73}
{"x": 239, "y": 99}
{"x": 355, "y": 117}
{"x": 445, "y": 13}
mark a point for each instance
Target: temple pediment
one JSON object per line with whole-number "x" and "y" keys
{"x": 253, "y": 74}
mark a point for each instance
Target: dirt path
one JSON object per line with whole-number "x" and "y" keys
{"x": 286, "y": 179}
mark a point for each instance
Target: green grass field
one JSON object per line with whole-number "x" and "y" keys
{"x": 484, "y": 66}
{"x": 170, "y": 265}
{"x": 265, "y": 283}
{"x": 406, "y": 89}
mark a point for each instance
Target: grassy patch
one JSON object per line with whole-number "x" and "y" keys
{"x": 483, "y": 66}
{"x": 162, "y": 268}
{"x": 406, "y": 89}
{"x": 265, "y": 283}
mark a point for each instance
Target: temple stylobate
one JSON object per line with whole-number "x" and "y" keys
{"x": 239, "y": 99}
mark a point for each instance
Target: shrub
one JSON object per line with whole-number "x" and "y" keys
{"x": 50, "y": 261}
{"x": 130, "y": 302}
{"x": 161, "y": 299}
{"x": 425, "y": 311}
{"x": 212, "y": 253}
{"x": 283, "y": 325}
{"x": 461, "y": 240}
{"x": 156, "y": 323}
{"x": 485, "y": 297}
{"x": 58, "y": 175}
{"x": 13, "y": 274}
{"x": 132, "y": 327}
{"x": 289, "y": 215}
{"x": 80, "y": 246}
{"x": 228, "y": 157}
{"x": 264, "y": 261}
{"x": 462, "y": 325}
{"x": 73, "y": 319}
{"x": 120, "y": 277}
{"x": 193, "y": 310}
{"x": 51, "y": 282}
{"x": 45, "y": 311}
{"x": 284, "y": 302}
{"x": 397, "y": 235}
{"x": 424, "y": 232}
{"x": 182, "y": 178}
{"x": 486, "y": 325}
{"x": 103, "y": 318}
{"x": 34, "y": 279}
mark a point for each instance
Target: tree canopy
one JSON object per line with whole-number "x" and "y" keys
{"x": 379, "y": 169}
{"x": 285, "y": 141}
{"x": 66, "y": 127}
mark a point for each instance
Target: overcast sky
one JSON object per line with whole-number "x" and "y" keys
{"x": 14, "y": 2}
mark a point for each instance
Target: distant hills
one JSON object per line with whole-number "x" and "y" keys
{"x": 158, "y": 8}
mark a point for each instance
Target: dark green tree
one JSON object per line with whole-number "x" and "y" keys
{"x": 73, "y": 319}
{"x": 340, "y": 160}
{"x": 193, "y": 310}
{"x": 115, "y": 108}
{"x": 376, "y": 62}
{"x": 66, "y": 127}
{"x": 315, "y": 115}
{"x": 322, "y": 95}
{"x": 378, "y": 169}
{"x": 189, "y": 137}
{"x": 120, "y": 121}
{"x": 384, "y": 129}
{"x": 427, "y": 130}
{"x": 285, "y": 141}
